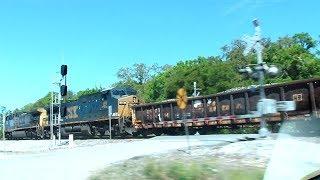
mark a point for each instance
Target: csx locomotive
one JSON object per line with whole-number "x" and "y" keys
{"x": 233, "y": 108}
{"x": 86, "y": 116}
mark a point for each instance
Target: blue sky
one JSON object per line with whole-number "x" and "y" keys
{"x": 97, "y": 37}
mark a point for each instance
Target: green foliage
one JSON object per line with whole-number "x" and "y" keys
{"x": 42, "y": 102}
{"x": 212, "y": 75}
{"x": 295, "y": 56}
{"x": 137, "y": 75}
{"x": 86, "y": 92}
{"x": 195, "y": 170}
{"x": 178, "y": 168}
{"x": 175, "y": 170}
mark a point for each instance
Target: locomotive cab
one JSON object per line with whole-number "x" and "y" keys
{"x": 113, "y": 96}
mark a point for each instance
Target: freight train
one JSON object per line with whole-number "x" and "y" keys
{"x": 233, "y": 108}
{"x": 87, "y": 116}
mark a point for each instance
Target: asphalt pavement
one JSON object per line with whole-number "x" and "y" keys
{"x": 80, "y": 162}
{"x": 292, "y": 158}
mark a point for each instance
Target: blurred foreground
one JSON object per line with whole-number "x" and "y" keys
{"x": 232, "y": 156}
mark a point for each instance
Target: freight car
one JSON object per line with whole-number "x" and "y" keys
{"x": 86, "y": 116}
{"x": 233, "y": 108}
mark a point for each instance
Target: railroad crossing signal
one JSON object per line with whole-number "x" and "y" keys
{"x": 182, "y": 99}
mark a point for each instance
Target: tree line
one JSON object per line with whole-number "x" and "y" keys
{"x": 297, "y": 56}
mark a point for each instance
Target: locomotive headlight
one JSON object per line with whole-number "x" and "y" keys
{"x": 273, "y": 70}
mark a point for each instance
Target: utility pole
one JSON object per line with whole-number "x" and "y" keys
{"x": 3, "y": 122}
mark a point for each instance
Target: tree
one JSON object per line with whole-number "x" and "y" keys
{"x": 87, "y": 92}
{"x": 294, "y": 55}
{"x": 42, "y": 102}
{"x": 304, "y": 40}
{"x": 138, "y": 75}
{"x": 212, "y": 75}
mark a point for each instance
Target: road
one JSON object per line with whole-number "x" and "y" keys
{"x": 80, "y": 162}
{"x": 291, "y": 157}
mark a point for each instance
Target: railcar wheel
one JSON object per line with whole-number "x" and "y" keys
{"x": 102, "y": 133}
{"x": 93, "y": 132}
{"x": 158, "y": 132}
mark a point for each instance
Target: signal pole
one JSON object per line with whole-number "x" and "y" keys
{"x": 260, "y": 69}
{"x": 110, "y": 119}
{"x": 264, "y": 106}
{"x": 258, "y": 47}
{"x": 182, "y": 102}
{"x": 55, "y": 119}
{"x": 3, "y": 122}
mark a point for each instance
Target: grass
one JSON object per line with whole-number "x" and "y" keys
{"x": 174, "y": 170}
{"x": 157, "y": 168}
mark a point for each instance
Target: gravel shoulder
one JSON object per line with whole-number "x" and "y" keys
{"x": 257, "y": 159}
{"x": 238, "y": 160}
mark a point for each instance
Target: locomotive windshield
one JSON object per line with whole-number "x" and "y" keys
{"x": 130, "y": 91}
{"x": 118, "y": 93}
{"x": 122, "y": 92}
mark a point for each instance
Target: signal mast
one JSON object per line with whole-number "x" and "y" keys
{"x": 55, "y": 118}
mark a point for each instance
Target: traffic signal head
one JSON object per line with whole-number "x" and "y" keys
{"x": 64, "y": 70}
{"x": 63, "y": 90}
{"x": 255, "y": 22}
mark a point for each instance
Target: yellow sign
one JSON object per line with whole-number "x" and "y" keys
{"x": 182, "y": 99}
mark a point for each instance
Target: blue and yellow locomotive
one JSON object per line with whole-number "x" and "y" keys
{"x": 87, "y": 116}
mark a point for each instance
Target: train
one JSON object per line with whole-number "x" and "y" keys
{"x": 234, "y": 108}
{"x": 87, "y": 116}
